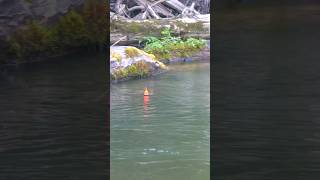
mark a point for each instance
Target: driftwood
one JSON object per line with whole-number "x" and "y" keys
{"x": 154, "y": 9}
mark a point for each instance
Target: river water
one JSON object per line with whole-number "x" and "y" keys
{"x": 166, "y": 135}
{"x": 266, "y": 94}
{"x": 52, "y": 120}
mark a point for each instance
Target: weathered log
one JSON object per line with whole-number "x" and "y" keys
{"x": 160, "y": 9}
{"x": 151, "y": 11}
{"x": 117, "y": 7}
{"x": 144, "y": 15}
{"x": 136, "y": 8}
{"x": 122, "y": 38}
{"x": 136, "y": 30}
{"x": 175, "y": 4}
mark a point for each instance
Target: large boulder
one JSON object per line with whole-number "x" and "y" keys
{"x": 130, "y": 62}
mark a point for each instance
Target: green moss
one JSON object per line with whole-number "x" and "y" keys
{"x": 71, "y": 30}
{"x": 143, "y": 69}
{"x": 119, "y": 74}
{"x": 137, "y": 70}
{"x": 147, "y": 27}
{"x": 132, "y": 52}
{"x": 189, "y": 27}
{"x": 117, "y": 56}
{"x": 151, "y": 27}
{"x": 30, "y": 40}
{"x": 132, "y": 70}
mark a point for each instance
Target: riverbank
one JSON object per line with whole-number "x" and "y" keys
{"x": 165, "y": 40}
{"x": 144, "y": 65}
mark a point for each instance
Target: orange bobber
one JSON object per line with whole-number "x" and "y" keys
{"x": 146, "y": 92}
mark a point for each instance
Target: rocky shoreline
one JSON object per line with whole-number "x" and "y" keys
{"x": 121, "y": 62}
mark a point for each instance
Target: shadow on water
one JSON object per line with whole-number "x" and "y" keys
{"x": 52, "y": 120}
{"x": 266, "y": 94}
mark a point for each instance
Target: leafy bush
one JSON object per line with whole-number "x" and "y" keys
{"x": 30, "y": 40}
{"x": 84, "y": 28}
{"x": 71, "y": 30}
{"x": 168, "y": 46}
{"x": 94, "y": 15}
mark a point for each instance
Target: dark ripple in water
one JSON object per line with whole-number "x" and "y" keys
{"x": 52, "y": 120}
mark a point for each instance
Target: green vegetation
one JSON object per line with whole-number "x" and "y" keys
{"x": 168, "y": 46}
{"x": 85, "y": 28}
{"x": 32, "y": 39}
{"x": 137, "y": 70}
{"x": 151, "y": 27}
{"x": 163, "y": 48}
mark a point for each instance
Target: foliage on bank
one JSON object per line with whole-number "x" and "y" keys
{"x": 156, "y": 50}
{"x": 168, "y": 46}
{"x": 83, "y": 28}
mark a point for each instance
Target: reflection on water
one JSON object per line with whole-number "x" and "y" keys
{"x": 145, "y": 107}
{"x": 266, "y": 94}
{"x": 165, "y": 135}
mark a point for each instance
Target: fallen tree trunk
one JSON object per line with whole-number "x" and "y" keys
{"x": 135, "y": 30}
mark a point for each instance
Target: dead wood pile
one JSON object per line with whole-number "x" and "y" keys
{"x": 154, "y": 9}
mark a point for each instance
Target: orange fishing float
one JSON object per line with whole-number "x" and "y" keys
{"x": 146, "y": 92}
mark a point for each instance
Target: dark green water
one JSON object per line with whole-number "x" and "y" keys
{"x": 266, "y": 94}
{"x": 167, "y": 135}
{"x": 52, "y": 120}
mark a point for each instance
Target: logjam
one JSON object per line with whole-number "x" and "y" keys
{"x": 154, "y": 9}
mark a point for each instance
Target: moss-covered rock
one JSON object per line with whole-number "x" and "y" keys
{"x": 134, "y": 63}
